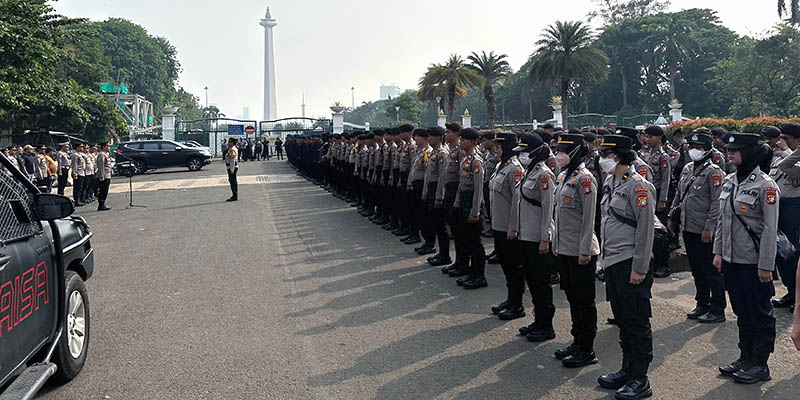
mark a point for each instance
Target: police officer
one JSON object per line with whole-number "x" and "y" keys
{"x": 405, "y": 157}
{"x": 531, "y": 223}
{"x": 490, "y": 162}
{"x": 63, "y": 167}
{"x": 576, "y": 246}
{"x": 744, "y": 250}
{"x": 787, "y": 176}
{"x": 720, "y": 157}
{"x": 445, "y": 197}
{"x": 695, "y": 211}
{"x": 502, "y": 186}
{"x": 468, "y": 200}
{"x": 415, "y": 181}
{"x": 232, "y": 166}
{"x": 78, "y": 173}
{"x": 627, "y": 230}
{"x": 659, "y": 163}
{"x": 435, "y": 221}
{"x": 104, "y": 174}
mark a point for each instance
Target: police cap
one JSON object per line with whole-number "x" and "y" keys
{"x": 528, "y": 142}
{"x": 469, "y": 133}
{"x": 453, "y": 126}
{"x": 616, "y": 143}
{"x": 791, "y": 128}
{"x": 405, "y": 128}
{"x": 701, "y": 137}
{"x": 421, "y": 132}
{"x": 738, "y": 140}
{"x": 436, "y": 131}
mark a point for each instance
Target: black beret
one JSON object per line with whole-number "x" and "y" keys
{"x": 469, "y": 133}
{"x": 488, "y": 135}
{"x": 405, "y": 128}
{"x": 771, "y": 131}
{"x": 379, "y": 132}
{"x": 616, "y": 143}
{"x": 528, "y": 142}
{"x": 570, "y": 139}
{"x": 421, "y": 132}
{"x": 546, "y": 136}
{"x": 654, "y": 130}
{"x": 589, "y": 136}
{"x": 369, "y": 135}
{"x": 453, "y": 126}
{"x": 574, "y": 131}
{"x": 739, "y": 140}
{"x": 678, "y": 132}
{"x": 701, "y": 138}
{"x": 547, "y": 126}
{"x": 791, "y": 128}
{"x": 436, "y": 131}
{"x": 627, "y": 131}
{"x": 603, "y": 131}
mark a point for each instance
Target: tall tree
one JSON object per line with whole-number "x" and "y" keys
{"x": 792, "y": 13}
{"x": 565, "y": 53}
{"x": 615, "y": 11}
{"x": 491, "y": 67}
{"x": 673, "y": 44}
{"x": 452, "y": 80}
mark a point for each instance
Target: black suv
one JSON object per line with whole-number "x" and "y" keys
{"x": 46, "y": 256}
{"x": 154, "y": 154}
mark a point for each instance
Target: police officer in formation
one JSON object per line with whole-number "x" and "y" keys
{"x": 543, "y": 207}
{"x": 745, "y": 244}
{"x": 785, "y": 171}
{"x": 694, "y": 212}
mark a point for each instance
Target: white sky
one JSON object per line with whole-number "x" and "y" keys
{"x": 324, "y": 47}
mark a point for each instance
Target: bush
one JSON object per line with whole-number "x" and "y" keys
{"x": 750, "y": 125}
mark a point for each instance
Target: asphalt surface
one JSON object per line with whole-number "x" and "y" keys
{"x": 290, "y": 294}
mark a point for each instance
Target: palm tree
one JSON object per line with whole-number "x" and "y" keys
{"x": 673, "y": 44}
{"x": 564, "y": 54}
{"x": 212, "y": 112}
{"x": 792, "y": 14}
{"x": 450, "y": 80}
{"x": 491, "y": 68}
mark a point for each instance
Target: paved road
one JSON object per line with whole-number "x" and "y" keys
{"x": 289, "y": 294}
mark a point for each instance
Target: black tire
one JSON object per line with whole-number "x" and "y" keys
{"x": 68, "y": 366}
{"x": 139, "y": 167}
{"x": 194, "y": 163}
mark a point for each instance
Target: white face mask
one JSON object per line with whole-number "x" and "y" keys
{"x": 562, "y": 159}
{"x": 608, "y": 164}
{"x": 524, "y": 158}
{"x": 696, "y": 154}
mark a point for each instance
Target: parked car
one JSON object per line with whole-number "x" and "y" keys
{"x": 46, "y": 256}
{"x": 154, "y": 154}
{"x": 193, "y": 143}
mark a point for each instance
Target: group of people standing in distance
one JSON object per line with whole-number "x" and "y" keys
{"x": 89, "y": 166}
{"x": 572, "y": 201}
{"x": 256, "y": 150}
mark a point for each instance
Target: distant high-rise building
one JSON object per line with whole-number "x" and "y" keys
{"x": 389, "y": 91}
{"x": 246, "y": 113}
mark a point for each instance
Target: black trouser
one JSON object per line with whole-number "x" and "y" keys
{"x": 396, "y": 198}
{"x": 102, "y": 193}
{"x": 417, "y": 209}
{"x": 508, "y": 252}
{"x": 577, "y": 281}
{"x": 77, "y": 189}
{"x": 707, "y": 280}
{"x": 661, "y": 258}
{"x": 280, "y": 153}
{"x": 789, "y": 224}
{"x": 453, "y": 220}
{"x": 62, "y": 180}
{"x": 404, "y": 205}
{"x": 750, "y": 301}
{"x": 631, "y": 307}
{"x": 537, "y": 268}
{"x": 234, "y": 182}
{"x": 437, "y": 222}
{"x": 471, "y": 234}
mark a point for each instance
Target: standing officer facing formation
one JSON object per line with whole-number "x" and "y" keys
{"x": 627, "y": 231}
{"x": 744, "y": 251}
{"x": 232, "y": 167}
{"x": 104, "y": 174}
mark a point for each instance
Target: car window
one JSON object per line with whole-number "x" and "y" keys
{"x": 168, "y": 146}
{"x": 16, "y": 217}
{"x": 150, "y": 146}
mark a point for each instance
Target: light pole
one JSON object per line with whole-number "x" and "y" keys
{"x": 353, "y": 99}
{"x": 397, "y": 112}
{"x": 438, "y": 104}
{"x": 206, "y": 96}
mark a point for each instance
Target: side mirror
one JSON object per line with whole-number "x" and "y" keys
{"x": 178, "y": 148}
{"x": 52, "y": 206}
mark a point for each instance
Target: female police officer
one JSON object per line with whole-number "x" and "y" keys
{"x": 501, "y": 192}
{"x": 575, "y": 244}
{"x": 744, "y": 250}
{"x": 531, "y": 223}
{"x": 628, "y": 231}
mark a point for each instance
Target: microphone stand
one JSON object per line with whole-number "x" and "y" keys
{"x": 132, "y": 170}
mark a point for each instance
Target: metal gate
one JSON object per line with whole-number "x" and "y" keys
{"x": 272, "y": 130}
{"x": 214, "y": 132}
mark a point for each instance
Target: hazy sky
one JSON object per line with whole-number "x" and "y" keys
{"x": 324, "y": 48}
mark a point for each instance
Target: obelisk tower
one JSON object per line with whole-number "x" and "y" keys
{"x": 270, "y": 101}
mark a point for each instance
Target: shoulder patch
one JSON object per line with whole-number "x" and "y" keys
{"x": 641, "y": 197}
{"x": 517, "y": 175}
{"x": 772, "y": 194}
{"x": 716, "y": 179}
{"x": 664, "y": 162}
{"x": 441, "y": 158}
{"x": 476, "y": 166}
{"x": 544, "y": 181}
{"x": 717, "y": 158}
{"x": 642, "y": 171}
{"x": 586, "y": 185}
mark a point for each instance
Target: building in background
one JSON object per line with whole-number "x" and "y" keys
{"x": 390, "y": 91}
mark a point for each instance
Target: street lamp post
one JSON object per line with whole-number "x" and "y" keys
{"x": 353, "y": 99}
{"x": 397, "y": 112}
{"x": 438, "y": 104}
{"x": 206, "y": 96}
